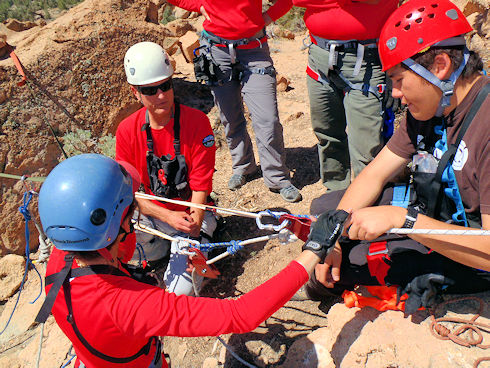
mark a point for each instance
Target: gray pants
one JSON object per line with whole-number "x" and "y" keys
{"x": 176, "y": 278}
{"x": 331, "y": 111}
{"x": 259, "y": 94}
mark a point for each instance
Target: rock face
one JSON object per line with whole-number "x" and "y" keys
{"x": 371, "y": 339}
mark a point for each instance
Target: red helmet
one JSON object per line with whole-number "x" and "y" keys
{"x": 417, "y": 25}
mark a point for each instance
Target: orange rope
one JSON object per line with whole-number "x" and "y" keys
{"x": 475, "y": 328}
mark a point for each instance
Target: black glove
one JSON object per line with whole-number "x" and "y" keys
{"x": 325, "y": 231}
{"x": 423, "y": 290}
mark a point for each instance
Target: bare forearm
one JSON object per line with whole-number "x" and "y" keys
{"x": 148, "y": 208}
{"x": 473, "y": 251}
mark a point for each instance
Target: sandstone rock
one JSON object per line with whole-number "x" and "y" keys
{"x": 282, "y": 83}
{"x": 11, "y": 271}
{"x": 41, "y": 22}
{"x": 3, "y": 95}
{"x": 210, "y": 363}
{"x": 368, "y": 338}
{"x": 189, "y": 42}
{"x": 283, "y": 33}
{"x": 294, "y": 116}
{"x": 3, "y": 40}
{"x": 172, "y": 49}
{"x": 25, "y": 310}
{"x": 152, "y": 11}
{"x": 18, "y": 26}
{"x": 178, "y": 27}
{"x": 173, "y": 63}
{"x": 180, "y": 13}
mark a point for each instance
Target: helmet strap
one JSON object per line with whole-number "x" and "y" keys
{"x": 446, "y": 86}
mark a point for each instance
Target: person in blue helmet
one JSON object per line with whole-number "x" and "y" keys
{"x": 85, "y": 207}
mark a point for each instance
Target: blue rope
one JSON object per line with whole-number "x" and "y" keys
{"x": 27, "y": 216}
{"x": 272, "y": 214}
{"x": 232, "y": 246}
{"x": 68, "y": 362}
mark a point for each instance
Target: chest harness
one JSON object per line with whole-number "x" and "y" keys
{"x": 168, "y": 176}
{"x": 62, "y": 279}
{"x": 206, "y": 68}
{"x": 435, "y": 189}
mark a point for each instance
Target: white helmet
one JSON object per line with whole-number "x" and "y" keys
{"x": 146, "y": 63}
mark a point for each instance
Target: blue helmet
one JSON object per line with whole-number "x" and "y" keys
{"x": 82, "y": 202}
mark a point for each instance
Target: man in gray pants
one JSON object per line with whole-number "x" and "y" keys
{"x": 235, "y": 44}
{"x": 258, "y": 89}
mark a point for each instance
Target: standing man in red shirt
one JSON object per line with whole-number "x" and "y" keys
{"x": 344, "y": 72}
{"x": 172, "y": 147}
{"x": 235, "y": 43}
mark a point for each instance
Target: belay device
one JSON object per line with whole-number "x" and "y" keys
{"x": 168, "y": 176}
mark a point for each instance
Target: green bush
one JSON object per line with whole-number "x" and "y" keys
{"x": 81, "y": 141}
{"x": 293, "y": 20}
{"x": 27, "y": 9}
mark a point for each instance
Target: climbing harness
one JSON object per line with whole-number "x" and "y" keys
{"x": 334, "y": 46}
{"x": 62, "y": 279}
{"x": 206, "y": 68}
{"x": 168, "y": 176}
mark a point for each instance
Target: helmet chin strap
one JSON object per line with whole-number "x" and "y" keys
{"x": 446, "y": 86}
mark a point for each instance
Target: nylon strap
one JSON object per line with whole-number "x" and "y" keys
{"x": 149, "y": 137}
{"x": 448, "y": 156}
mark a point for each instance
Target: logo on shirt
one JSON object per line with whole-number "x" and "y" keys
{"x": 461, "y": 156}
{"x": 208, "y": 141}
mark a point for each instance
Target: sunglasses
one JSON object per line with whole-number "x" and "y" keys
{"x": 151, "y": 91}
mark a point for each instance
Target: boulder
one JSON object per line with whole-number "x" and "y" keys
{"x": 282, "y": 83}
{"x": 152, "y": 11}
{"x": 18, "y": 26}
{"x": 178, "y": 28}
{"x": 283, "y": 33}
{"x": 180, "y": 13}
{"x": 189, "y": 42}
{"x": 11, "y": 272}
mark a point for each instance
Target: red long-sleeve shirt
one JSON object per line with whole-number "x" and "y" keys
{"x": 117, "y": 315}
{"x": 345, "y": 19}
{"x": 234, "y": 19}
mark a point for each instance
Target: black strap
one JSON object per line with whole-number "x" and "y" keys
{"x": 448, "y": 156}
{"x": 149, "y": 137}
{"x": 145, "y": 350}
{"x": 57, "y": 279}
{"x": 62, "y": 279}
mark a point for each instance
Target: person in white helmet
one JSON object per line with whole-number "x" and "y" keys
{"x": 172, "y": 147}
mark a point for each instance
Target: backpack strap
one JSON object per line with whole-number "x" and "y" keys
{"x": 448, "y": 156}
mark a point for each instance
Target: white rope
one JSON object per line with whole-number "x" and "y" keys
{"x": 38, "y": 360}
{"x": 440, "y": 232}
{"x": 198, "y": 205}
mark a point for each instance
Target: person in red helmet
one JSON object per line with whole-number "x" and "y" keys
{"x": 444, "y": 138}
{"x": 113, "y": 320}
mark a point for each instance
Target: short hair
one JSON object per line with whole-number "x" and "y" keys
{"x": 455, "y": 53}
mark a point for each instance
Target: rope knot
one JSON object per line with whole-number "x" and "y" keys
{"x": 442, "y": 330}
{"x": 235, "y": 246}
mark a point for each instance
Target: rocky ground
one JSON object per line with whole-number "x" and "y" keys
{"x": 78, "y": 58}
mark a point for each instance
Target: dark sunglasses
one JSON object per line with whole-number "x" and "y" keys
{"x": 151, "y": 91}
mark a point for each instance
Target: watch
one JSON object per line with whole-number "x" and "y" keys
{"x": 410, "y": 217}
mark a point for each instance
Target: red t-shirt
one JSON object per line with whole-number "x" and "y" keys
{"x": 345, "y": 19}
{"x": 117, "y": 315}
{"x": 195, "y": 137}
{"x": 234, "y": 19}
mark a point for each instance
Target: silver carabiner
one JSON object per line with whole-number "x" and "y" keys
{"x": 276, "y": 215}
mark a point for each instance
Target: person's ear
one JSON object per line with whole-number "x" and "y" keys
{"x": 442, "y": 66}
{"x": 136, "y": 93}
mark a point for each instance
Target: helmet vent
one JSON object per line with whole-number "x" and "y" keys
{"x": 408, "y": 16}
{"x": 407, "y": 27}
{"x": 98, "y": 216}
{"x": 431, "y": 15}
{"x": 434, "y": 5}
{"x": 418, "y": 20}
{"x": 421, "y": 10}
{"x": 398, "y": 24}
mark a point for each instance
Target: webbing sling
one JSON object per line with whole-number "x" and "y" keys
{"x": 62, "y": 279}
{"x": 448, "y": 156}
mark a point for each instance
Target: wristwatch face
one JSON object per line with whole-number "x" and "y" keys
{"x": 314, "y": 245}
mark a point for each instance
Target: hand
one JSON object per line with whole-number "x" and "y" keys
{"x": 181, "y": 221}
{"x": 325, "y": 231}
{"x": 328, "y": 273}
{"x": 205, "y": 13}
{"x": 371, "y": 222}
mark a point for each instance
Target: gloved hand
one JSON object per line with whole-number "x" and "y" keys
{"x": 325, "y": 231}
{"x": 423, "y": 290}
